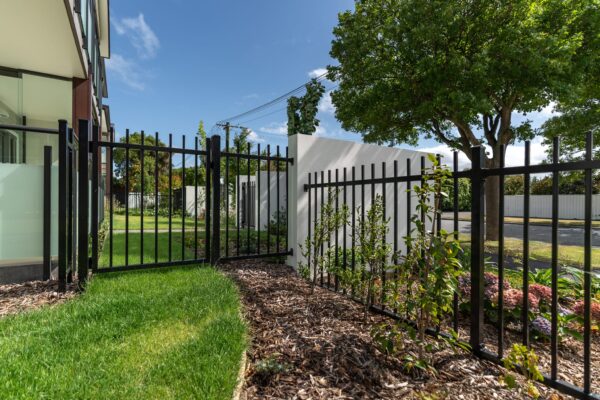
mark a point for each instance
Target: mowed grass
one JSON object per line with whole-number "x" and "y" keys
{"x": 135, "y": 222}
{"x": 569, "y": 256}
{"x": 134, "y": 245}
{"x": 171, "y": 333}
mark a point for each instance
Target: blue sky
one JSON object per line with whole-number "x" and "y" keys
{"x": 175, "y": 62}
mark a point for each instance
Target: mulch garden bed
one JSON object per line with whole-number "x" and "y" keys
{"x": 319, "y": 346}
{"x": 16, "y": 298}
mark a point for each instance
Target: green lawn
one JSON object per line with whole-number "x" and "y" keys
{"x": 570, "y": 256}
{"x": 163, "y": 246}
{"x": 159, "y": 334}
{"x": 163, "y": 222}
{"x": 134, "y": 248}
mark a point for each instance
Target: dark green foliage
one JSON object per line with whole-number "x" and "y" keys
{"x": 302, "y": 112}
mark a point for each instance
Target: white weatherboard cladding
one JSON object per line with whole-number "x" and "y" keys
{"x": 315, "y": 154}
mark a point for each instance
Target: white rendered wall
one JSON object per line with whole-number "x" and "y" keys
{"x": 314, "y": 154}
{"x": 263, "y": 193}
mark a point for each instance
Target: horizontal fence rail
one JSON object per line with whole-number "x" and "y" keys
{"x": 356, "y": 188}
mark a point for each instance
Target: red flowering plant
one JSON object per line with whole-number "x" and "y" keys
{"x": 513, "y": 303}
{"x": 578, "y": 308}
{"x": 544, "y": 295}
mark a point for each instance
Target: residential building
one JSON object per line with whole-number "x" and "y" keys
{"x": 52, "y": 67}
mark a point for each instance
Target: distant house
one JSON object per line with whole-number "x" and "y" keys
{"x": 52, "y": 66}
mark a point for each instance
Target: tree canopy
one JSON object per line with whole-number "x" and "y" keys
{"x": 457, "y": 70}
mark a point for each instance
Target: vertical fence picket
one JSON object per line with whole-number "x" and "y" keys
{"x": 277, "y": 212}
{"x": 170, "y": 197}
{"x": 455, "y": 227}
{"x": 554, "y": 306}
{"x": 83, "y": 245}
{"x": 47, "y": 215}
{"x": 207, "y": 206}
{"x": 329, "y": 200}
{"x": 526, "y": 200}
{"x": 196, "y": 198}
{"x": 183, "y": 199}
{"x": 127, "y": 198}
{"x": 156, "y": 198}
{"x": 336, "y": 234}
{"x": 248, "y": 202}
{"x": 501, "y": 260}
{"x": 587, "y": 270}
{"x": 477, "y": 252}
{"x": 142, "y": 179}
{"x": 384, "y": 238}
{"x": 111, "y": 201}
{"x": 258, "y": 197}
{"x": 215, "y": 234}
{"x": 321, "y": 217}
{"x": 344, "y": 230}
{"x": 268, "y": 199}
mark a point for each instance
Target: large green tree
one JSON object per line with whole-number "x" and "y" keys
{"x": 302, "y": 111}
{"x": 457, "y": 70}
{"x": 579, "y": 109}
{"x": 135, "y": 165}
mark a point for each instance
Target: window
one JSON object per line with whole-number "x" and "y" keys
{"x": 9, "y": 145}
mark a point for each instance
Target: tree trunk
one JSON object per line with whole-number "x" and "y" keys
{"x": 492, "y": 198}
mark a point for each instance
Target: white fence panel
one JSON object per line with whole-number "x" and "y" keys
{"x": 570, "y": 206}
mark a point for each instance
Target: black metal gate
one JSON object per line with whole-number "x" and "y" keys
{"x": 168, "y": 205}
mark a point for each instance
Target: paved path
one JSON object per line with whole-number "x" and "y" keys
{"x": 540, "y": 233}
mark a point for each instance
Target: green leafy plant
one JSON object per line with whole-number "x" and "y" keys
{"x": 372, "y": 256}
{"x": 312, "y": 250}
{"x": 267, "y": 368}
{"x": 523, "y": 360}
{"x": 427, "y": 276}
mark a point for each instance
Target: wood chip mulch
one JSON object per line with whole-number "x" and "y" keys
{"x": 16, "y": 298}
{"x": 319, "y": 346}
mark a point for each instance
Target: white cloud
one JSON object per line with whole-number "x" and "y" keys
{"x": 315, "y": 73}
{"x": 321, "y": 131}
{"x": 126, "y": 70}
{"x": 515, "y": 155}
{"x": 275, "y": 128}
{"x": 254, "y": 138}
{"x": 326, "y": 104}
{"x": 139, "y": 33}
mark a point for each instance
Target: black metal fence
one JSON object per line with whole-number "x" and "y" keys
{"x": 148, "y": 237}
{"x": 355, "y": 191}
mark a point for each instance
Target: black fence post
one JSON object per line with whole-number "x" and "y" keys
{"x": 83, "y": 258}
{"x": 477, "y": 241}
{"x": 95, "y": 199}
{"x": 63, "y": 154}
{"x": 215, "y": 163}
{"x": 47, "y": 267}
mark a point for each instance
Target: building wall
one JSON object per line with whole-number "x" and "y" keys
{"x": 312, "y": 153}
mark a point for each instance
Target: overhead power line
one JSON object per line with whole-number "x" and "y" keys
{"x": 277, "y": 100}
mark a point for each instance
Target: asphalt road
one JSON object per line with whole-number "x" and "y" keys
{"x": 540, "y": 233}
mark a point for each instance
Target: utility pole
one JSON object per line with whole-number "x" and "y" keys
{"x": 227, "y": 126}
